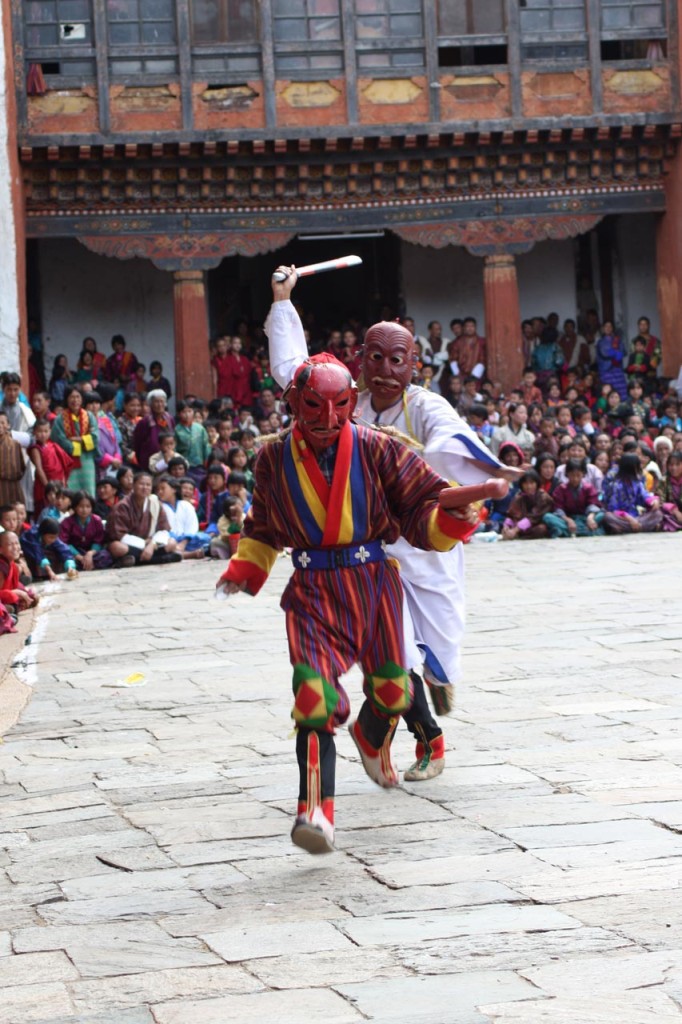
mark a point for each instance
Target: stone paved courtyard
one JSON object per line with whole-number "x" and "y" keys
{"x": 146, "y": 872}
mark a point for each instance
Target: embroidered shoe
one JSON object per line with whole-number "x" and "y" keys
{"x": 377, "y": 763}
{"x": 313, "y": 832}
{"x": 428, "y": 768}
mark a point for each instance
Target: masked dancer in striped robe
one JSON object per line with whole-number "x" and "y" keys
{"x": 338, "y": 493}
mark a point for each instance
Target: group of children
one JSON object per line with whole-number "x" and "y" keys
{"x": 594, "y": 461}
{"x": 205, "y": 494}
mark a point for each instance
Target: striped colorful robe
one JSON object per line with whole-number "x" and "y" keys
{"x": 380, "y": 490}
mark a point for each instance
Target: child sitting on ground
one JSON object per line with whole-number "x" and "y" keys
{"x": 13, "y": 593}
{"x": 9, "y": 521}
{"x": 47, "y": 554}
{"x": 525, "y": 516}
{"x": 236, "y": 486}
{"x": 188, "y": 491}
{"x": 158, "y": 462}
{"x": 578, "y": 511}
{"x": 83, "y": 533}
{"x": 50, "y": 508}
{"x": 229, "y": 528}
{"x": 510, "y": 455}
{"x": 124, "y": 479}
{"x": 64, "y": 499}
{"x": 670, "y": 493}
{"x": 106, "y": 497}
{"x": 210, "y": 503}
{"x": 182, "y": 519}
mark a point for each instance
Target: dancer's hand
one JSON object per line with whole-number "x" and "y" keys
{"x": 225, "y": 589}
{"x": 467, "y": 514}
{"x": 283, "y": 289}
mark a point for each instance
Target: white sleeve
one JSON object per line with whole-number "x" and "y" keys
{"x": 287, "y": 342}
{"x": 450, "y": 445}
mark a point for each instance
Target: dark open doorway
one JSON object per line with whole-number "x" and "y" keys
{"x": 240, "y": 286}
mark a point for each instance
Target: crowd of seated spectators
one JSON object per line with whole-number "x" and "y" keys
{"x": 97, "y": 472}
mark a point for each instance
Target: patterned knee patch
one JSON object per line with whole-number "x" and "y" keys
{"x": 389, "y": 689}
{"x": 314, "y": 698}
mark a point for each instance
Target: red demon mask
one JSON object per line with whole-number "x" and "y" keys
{"x": 387, "y": 361}
{"x": 322, "y": 397}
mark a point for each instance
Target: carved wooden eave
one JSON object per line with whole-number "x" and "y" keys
{"x": 191, "y": 204}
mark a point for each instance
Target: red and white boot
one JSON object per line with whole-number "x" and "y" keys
{"x": 313, "y": 829}
{"x": 378, "y": 763}
{"x": 430, "y": 761}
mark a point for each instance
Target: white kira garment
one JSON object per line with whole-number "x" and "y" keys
{"x": 433, "y": 581}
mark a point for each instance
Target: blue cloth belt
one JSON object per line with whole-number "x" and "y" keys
{"x": 339, "y": 558}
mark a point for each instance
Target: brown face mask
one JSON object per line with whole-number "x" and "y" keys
{"x": 387, "y": 360}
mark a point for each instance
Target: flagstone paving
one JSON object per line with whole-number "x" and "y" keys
{"x": 146, "y": 871}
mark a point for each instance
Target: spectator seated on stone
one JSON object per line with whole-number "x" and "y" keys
{"x": 670, "y": 493}
{"x": 159, "y": 461}
{"x": 238, "y": 460}
{"x": 525, "y": 519}
{"x": 579, "y": 449}
{"x": 546, "y": 467}
{"x": 629, "y": 507}
{"x": 247, "y": 440}
{"x": 222, "y": 447}
{"x": 510, "y": 455}
{"x": 11, "y": 522}
{"x": 211, "y": 428}
{"x": 478, "y": 421}
{"x": 210, "y": 502}
{"x": 578, "y": 511}
{"x": 663, "y": 446}
{"x": 138, "y": 531}
{"x": 106, "y": 492}
{"x": 189, "y": 492}
{"x": 124, "y": 479}
{"x": 582, "y": 420}
{"x": 236, "y": 487}
{"x": 14, "y": 594}
{"x": 83, "y": 533}
{"x": 546, "y": 441}
{"x": 229, "y": 524}
{"x": 182, "y": 516}
{"x": 667, "y": 414}
{"x": 46, "y": 553}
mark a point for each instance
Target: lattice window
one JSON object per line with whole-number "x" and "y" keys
{"x": 389, "y": 35}
{"x": 471, "y": 18}
{"x": 638, "y": 16}
{"x": 58, "y": 36}
{"x": 142, "y": 38}
{"x": 216, "y": 23}
{"x": 308, "y": 36}
{"x": 472, "y": 33}
{"x": 553, "y": 30}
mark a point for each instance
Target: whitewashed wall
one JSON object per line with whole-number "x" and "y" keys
{"x": 439, "y": 284}
{"x": 635, "y": 273}
{"x": 85, "y": 294}
{"x": 9, "y": 296}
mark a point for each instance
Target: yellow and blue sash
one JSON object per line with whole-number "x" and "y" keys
{"x": 330, "y": 516}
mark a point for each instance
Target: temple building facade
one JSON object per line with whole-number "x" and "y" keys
{"x": 500, "y": 158}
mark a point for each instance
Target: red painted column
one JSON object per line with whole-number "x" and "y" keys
{"x": 502, "y": 320}
{"x": 16, "y": 218}
{"x": 669, "y": 270}
{"x": 192, "y": 356}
